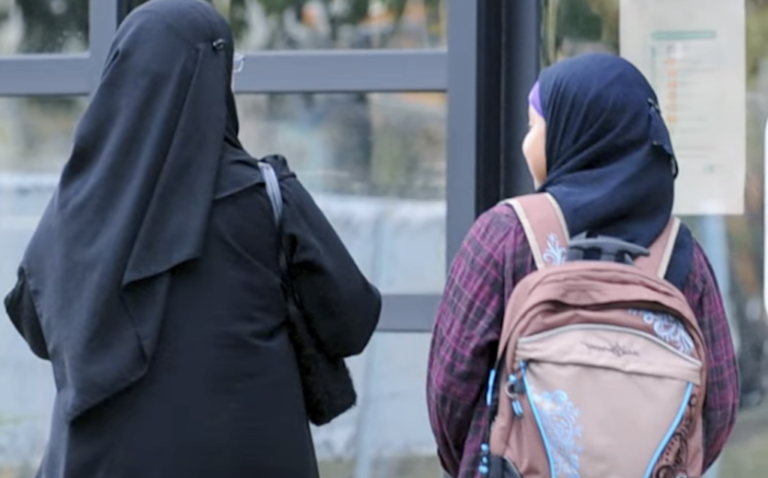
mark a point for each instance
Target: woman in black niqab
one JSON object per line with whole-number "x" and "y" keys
{"x": 152, "y": 282}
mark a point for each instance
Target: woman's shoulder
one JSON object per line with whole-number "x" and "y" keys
{"x": 280, "y": 164}
{"x": 497, "y": 240}
{"x": 241, "y": 172}
{"x": 497, "y": 224}
{"x": 701, "y": 278}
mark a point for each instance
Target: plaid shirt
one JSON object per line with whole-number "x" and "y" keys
{"x": 493, "y": 258}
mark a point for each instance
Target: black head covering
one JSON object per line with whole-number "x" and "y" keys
{"x": 610, "y": 162}
{"x": 134, "y": 197}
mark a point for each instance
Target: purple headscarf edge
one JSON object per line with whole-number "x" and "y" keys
{"x": 534, "y": 99}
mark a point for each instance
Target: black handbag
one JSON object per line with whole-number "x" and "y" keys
{"x": 325, "y": 380}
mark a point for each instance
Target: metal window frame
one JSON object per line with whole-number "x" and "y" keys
{"x": 451, "y": 70}
{"x": 347, "y": 71}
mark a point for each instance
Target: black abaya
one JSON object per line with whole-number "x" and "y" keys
{"x": 222, "y": 396}
{"x": 152, "y": 282}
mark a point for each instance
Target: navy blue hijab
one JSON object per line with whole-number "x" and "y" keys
{"x": 610, "y": 162}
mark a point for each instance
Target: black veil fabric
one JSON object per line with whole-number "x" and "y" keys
{"x": 134, "y": 198}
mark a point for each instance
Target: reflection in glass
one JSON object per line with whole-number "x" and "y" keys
{"x": 362, "y": 144}
{"x": 376, "y": 165}
{"x": 35, "y": 141}
{"x": 328, "y": 24}
{"x": 36, "y": 133}
{"x": 387, "y": 435}
{"x": 735, "y": 244}
{"x": 43, "y": 26}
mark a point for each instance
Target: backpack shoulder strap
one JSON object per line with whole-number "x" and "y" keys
{"x": 661, "y": 250}
{"x": 544, "y": 227}
{"x": 547, "y": 234}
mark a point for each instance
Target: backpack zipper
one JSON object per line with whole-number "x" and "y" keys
{"x": 611, "y": 328}
{"x": 671, "y": 431}
{"x": 537, "y": 418}
{"x": 513, "y": 390}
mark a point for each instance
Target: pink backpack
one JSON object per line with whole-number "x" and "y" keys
{"x": 601, "y": 365}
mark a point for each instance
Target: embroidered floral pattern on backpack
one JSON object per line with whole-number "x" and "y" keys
{"x": 555, "y": 254}
{"x": 668, "y": 329}
{"x": 559, "y": 419}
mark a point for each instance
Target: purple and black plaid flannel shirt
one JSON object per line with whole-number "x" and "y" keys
{"x": 493, "y": 258}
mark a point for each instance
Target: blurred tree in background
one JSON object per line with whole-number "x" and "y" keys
{"x": 55, "y": 26}
{"x": 49, "y": 24}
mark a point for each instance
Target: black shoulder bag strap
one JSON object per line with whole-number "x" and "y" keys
{"x": 326, "y": 382}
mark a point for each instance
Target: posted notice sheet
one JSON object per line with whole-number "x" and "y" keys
{"x": 693, "y": 54}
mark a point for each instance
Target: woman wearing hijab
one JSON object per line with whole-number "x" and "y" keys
{"x": 598, "y": 145}
{"x": 152, "y": 283}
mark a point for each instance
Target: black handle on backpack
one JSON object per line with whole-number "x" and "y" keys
{"x": 611, "y": 249}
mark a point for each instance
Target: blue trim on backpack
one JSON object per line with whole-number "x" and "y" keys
{"x": 491, "y": 386}
{"x": 537, "y": 417}
{"x": 670, "y": 432}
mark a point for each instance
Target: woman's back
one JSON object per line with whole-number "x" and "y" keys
{"x": 222, "y": 395}
{"x": 598, "y": 145}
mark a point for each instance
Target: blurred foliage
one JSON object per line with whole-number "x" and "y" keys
{"x": 339, "y": 15}
{"x": 233, "y": 10}
{"x": 49, "y": 23}
{"x": 382, "y": 166}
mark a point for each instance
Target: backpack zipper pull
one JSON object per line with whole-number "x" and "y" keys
{"x": 513, "y": 390}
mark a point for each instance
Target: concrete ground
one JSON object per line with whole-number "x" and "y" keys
{"x": 746, "y": 455}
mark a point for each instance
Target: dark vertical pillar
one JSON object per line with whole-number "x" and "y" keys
{"x": 508, "y": 61}
{"x": 124, "y": 7}
{"x": 521, "y": 60}
{"x": 489, "y": 103}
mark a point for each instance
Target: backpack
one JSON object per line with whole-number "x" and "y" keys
{"x": 601, "y": 363}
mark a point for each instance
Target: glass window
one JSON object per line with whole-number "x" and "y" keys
{"x": 43, "y": 26}
{"x": 35, "y": 141}
{"x": 36, "y": 133}
{"x": 388, "y": 434}
{"x": 376, "y": 165}
{"x": 735, "y": 243}
{"x": 328, "y": 24}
